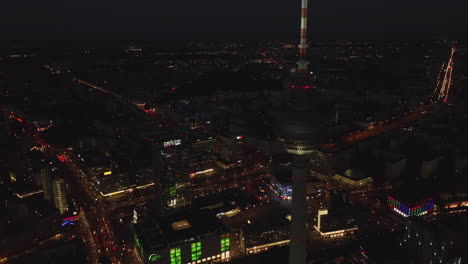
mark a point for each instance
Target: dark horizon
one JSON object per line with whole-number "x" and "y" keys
{"x": 178, "y": 43}
{"x": 120, "y": 21}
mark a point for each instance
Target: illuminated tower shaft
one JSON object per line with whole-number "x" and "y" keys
{"x": 302, "y": 63}
{"x": 299, "y": 133}
{"x": 297, "y": 247}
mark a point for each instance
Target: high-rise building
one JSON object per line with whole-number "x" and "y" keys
{"x": 172, "y": 172}
{"x": 230, "y": 149}
{"x": 171, "y": 166}
{"x": 54, "y": 190}
{"x": 174, "y": 167}
{"x": 60, "y": 197}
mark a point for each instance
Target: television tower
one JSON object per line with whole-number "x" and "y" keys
{"x": 299, "y": 133}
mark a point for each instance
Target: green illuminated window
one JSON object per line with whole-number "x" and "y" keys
{"x": 173, "y": 191}
{"x": 154, "y": 257}
{"x": 196, "y": 251}
{"x": 225, "y": 244}
{"x": 176, "y": 258}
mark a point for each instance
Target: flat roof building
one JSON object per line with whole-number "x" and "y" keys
{"x": 197, "y": 237}
{"x": 335, "y": 225}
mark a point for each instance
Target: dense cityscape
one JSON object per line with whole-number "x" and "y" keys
{"x": 235, "y": 151}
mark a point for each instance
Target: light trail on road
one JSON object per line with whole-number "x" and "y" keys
{"x": 91, "y": 208}
{"x": 447, "y": 82}
{"x": 117, "y": 96}
{"x": 440, "y": 94}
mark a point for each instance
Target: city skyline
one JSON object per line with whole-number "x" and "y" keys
{"x": 233, "y": 148}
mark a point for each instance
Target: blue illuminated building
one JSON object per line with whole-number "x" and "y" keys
{"x": 282, "y": 189}
{"x": 281, "y": 183}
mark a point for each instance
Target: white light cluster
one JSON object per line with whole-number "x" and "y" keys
{"x": 225, "y": 256}
{"x": 172, "y": 142}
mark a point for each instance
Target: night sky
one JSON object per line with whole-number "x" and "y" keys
{"x": 100, "y": 20}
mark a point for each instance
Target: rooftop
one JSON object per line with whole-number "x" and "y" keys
{"x": 158, "y": 233}
{"x": 335, "y": 221}
{"x": 179, "y": 225}
{"x": 414, "y": 192}
{"x": 184, "y": 226}
{"x": 94, "y": 157}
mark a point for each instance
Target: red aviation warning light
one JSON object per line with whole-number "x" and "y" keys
{"x": 62, "y": 158}
{"x": 303, "y": 87}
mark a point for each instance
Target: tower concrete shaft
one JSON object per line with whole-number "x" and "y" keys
{"x": 297, "y": 246}
{"x": 302, "y": 63}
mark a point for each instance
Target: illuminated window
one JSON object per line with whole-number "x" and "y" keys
{"x": 180, "y": 225}
{"x": 196, "y": 251}
{"x": 172, "y": 203}
{"x": 173, "y": 191}
{"x": 154, "y": 257}
{"x": 176, "y": 257}
{"x": 225, "y": 244}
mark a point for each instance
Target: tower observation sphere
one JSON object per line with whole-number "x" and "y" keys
{"x": 298, "y": 132}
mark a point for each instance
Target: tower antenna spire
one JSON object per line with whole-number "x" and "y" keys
{"x": 302, "y": 63}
